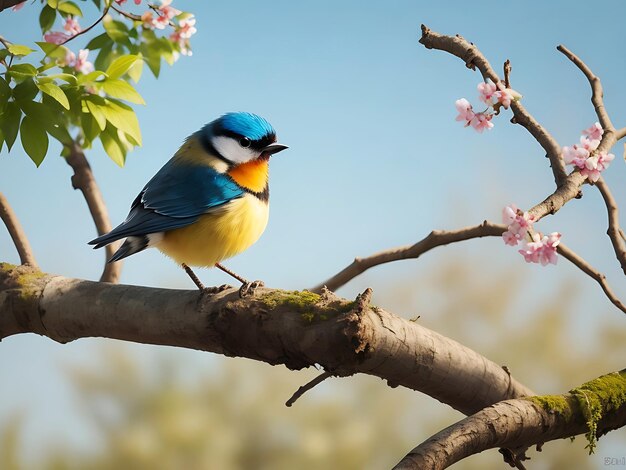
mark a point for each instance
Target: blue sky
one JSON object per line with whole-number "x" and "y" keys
{"x": 375, "y": 160}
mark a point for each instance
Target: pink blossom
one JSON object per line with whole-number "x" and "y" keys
{"x": 55, "y": 37}
{"x": 481, "y": 121}
{"x": 187, "y": 28}
{"x": 19, "y": 6}
{"x": 542, "y": 249}
{"x": 575, "y": 155}
{"x": 80, "y": 63}
{"x": 596, "y": 164}
{"x": 487, "y": 90}
{"x": 121, "y": 2}
{"x": 594, "y": 132}
{"x": 518, "y": 223}
{"x": 465, "y": 110}
{"x": 509, "y": 214}
{"x": 588, "y": 144}
{"x": 505, "y": 96}
{"x": 510, "y": 238}
{"x": 72, "y": 26}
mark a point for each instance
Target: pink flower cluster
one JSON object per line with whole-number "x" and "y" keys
{"x": 121, "y": 2}
{"x": 184, "y": 28}
{"x": 165, "y": 13}
{"x": 583, "y": 157}
{"x": 71, "y": 27}
{"x": 540, "y": 249}
{"x": 494, "y": 96}
{"x": 80, "y": 63}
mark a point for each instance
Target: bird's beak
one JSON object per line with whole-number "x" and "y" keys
{"x": 271, "y": 149}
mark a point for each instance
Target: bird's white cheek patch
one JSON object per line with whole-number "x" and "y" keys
{"x": 230, "y": 149}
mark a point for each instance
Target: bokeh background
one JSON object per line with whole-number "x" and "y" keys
{"x": 376, "y": 160}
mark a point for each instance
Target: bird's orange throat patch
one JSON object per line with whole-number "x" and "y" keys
{"x": 251, "y": 175}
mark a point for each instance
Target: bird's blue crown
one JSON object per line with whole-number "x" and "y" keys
{"x": 246, "y": 124}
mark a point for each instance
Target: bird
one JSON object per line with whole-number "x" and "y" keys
{"x": 209, "y": 202}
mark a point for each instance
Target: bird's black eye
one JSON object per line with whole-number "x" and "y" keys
{"x": 245, "y": 142}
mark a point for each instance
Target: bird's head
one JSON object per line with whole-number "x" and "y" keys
{"x": 240, "y": 138}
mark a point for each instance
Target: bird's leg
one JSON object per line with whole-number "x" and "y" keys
{"x": 198, "y": 282}
{"x": 247, "y": 287}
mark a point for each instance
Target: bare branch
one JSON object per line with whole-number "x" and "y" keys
{"x": 20, "y": 240}
{"x": 306, "y": 387}
{"x": 298, "y": 329}
{"x": 445, "y": 237}
{"x": 596, "y": 88}
{"x": 434, "y": 239}
{"x": 593, "y": 273}
{"x": 84, "y": 180}
{"x": 521, "y": 423}
{"x": 614, "y": 231}
{"x": 473, "y": 58}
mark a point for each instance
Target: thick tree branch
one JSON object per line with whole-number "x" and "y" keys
{"x": 17, "y": 233}
{"x": 614, "y": 231}
{"x": 4, "y": 4}
{"x": 298, "y": 329}
{"x": 84, "y": 180}
{"x": 596, "y": 88}
{"x": 521, "y": 423}
{"x": 473, "y": 58}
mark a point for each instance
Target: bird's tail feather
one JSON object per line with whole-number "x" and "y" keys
{"x": 130, "y": 246}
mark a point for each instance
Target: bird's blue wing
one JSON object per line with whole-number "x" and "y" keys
{"x": 175, "y": 197}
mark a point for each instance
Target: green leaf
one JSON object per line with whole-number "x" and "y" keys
{"x": 90, "y": 127}
{"x": 66, "y": 77}
{"x": 152, "y": 58}
{"x": 121, "y": 90}
{"x": 19, "y": 49}
{"x": 122, "y": 117}
{"x": 10, "y": 123}
{"x": 104, "y": 57}
{"x": 112, "y": 146}
{"x": 21, "y": 72}
{"x": 135, "y": 71}
{"x": 121, "y": 65}
{"x": 34, "y": 140}
{"x": 97, "y": 3}
{"x": 5, "y": 90}
{"x": 48, "y": 116}
{"x": 91, "y": 77}
{"x": 55, "y": 92}
{"x": 55, "y": 51}
{"x": 46, "y": 18}
{"x": 70, "y": 8}
{"x": 1, "y": 140}
{"x": 97, "y": 113}
{"x": 53, "y": 3}
{"x": 99, "y": 42}
{"x": 25, "y": 91}
{"x": 116, "y": 30}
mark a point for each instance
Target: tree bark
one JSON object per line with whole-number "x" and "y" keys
{"x": 297, "y": 329}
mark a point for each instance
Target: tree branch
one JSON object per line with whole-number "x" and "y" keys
{"x": 473, "y": 58}
{"x": 434, "y": 239}
{"x": 4, "y": 4}
{"x": 614, "y": 232}
{"x": 17, "y": 234}
{"x": 84, "y": 180}
{"x": 298, "y": 329}
{"x": 445, "y": 237}
{"x": 596, "y": 88}
{"x": 521, "y": 423}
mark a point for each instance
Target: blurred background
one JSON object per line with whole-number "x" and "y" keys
{"x": 376, "y": 160}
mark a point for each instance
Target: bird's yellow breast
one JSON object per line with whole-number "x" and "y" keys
{"x": 219, "y": 235}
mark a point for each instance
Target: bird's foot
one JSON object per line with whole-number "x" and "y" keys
{"x": 215, "y": 289}
{"x": 248, "y": 288}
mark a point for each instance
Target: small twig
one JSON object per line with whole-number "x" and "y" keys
{"x": 596, "y": 88}
{"x": 306, "y": 387}
{"x": 473, "y": 58}
{"x": 507, "y": 73}
{"x": 17, "y": 233}
{"x": 434, "y": 239}
{"x": 84, "y": 180}
{"x": 130, "y": 16}
{"x": 614, "y": 231}
{"x": 4, "y": 42}
{"x": 593, "y": 273}
{"x": 104, "y": 13}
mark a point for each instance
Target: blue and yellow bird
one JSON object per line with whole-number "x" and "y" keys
{"x": 209, "y": 202}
